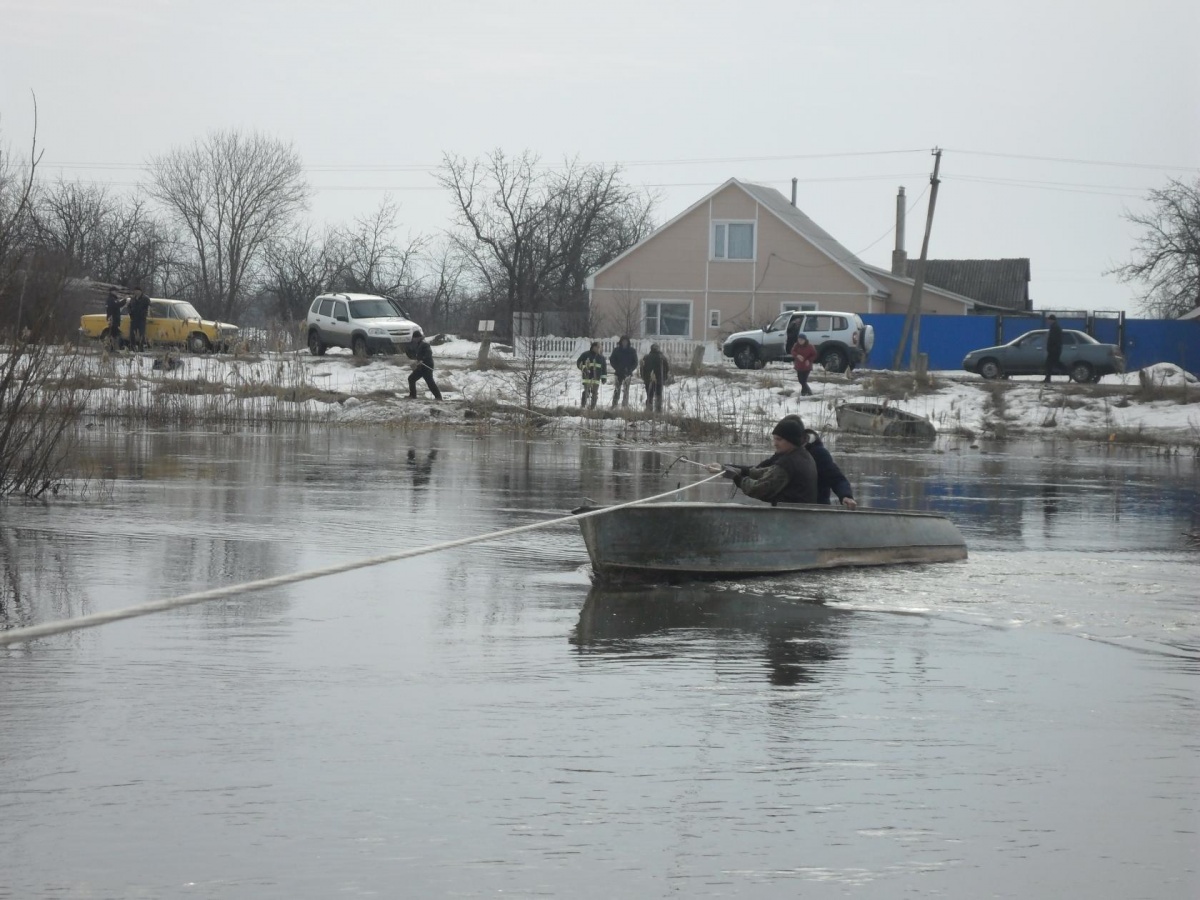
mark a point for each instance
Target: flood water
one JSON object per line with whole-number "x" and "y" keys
{"x": 482, "y": 722}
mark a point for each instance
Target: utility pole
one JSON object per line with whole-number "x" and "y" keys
{"x": 912, "y": 321}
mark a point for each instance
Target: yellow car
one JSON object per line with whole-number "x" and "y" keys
{"x": 168, "y": 322}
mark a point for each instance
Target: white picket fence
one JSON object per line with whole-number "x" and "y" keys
{"x": 551, "y": 347}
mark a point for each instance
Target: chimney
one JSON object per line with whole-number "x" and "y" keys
{"x": 899, "y": 257}
{"x": 794, "y": 191}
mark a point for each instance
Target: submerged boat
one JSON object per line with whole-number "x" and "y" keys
{"x": 878, "y": 418}
{"x": 682, "y": 541}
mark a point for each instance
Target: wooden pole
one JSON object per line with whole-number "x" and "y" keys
{"x": 912, "y": 321}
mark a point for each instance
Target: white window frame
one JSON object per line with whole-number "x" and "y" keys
{"x": 798, "y": 306}
{"x": 723, "y": 256}
{"x": 658, "y": 318}
{"x": 714, "y": 318}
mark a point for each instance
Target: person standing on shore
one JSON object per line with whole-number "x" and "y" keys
{"x": 112, "y": 309}
{"x": 421, "y": 353}
{"x": 594, "y": 369}
{"x": 655, "y": 371}
{"x": 1053, "y": 347}
{"x": 624, "y": 361}
{"x": 804, "y": 354}
{"x": 139, "y": 310}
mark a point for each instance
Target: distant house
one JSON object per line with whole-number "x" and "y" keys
{"x": 736, "y": 258}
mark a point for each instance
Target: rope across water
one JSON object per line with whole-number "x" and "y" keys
{"x": 32, "y": 632}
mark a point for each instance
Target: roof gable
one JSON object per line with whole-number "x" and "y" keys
{"x": 774, "y": 202}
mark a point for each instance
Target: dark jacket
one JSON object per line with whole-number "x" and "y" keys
{"x": 830, "y": 479}
{"x": 655, "y": 368}
{"x": 783, "y": 478}
{"x": 1054, "y": 338}
{"x": 592, "y": 365}
{"x": 112, "y": 306}
{"x": 624, "y": 361}
{"x": 421, "y": 352}
{"x": 139, "y": 308}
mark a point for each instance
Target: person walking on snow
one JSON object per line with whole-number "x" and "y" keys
{"x": 624, "y": 361}
{"x": 419, "y": 350}
{"x": 594, "y": 369}
{"x": 804, "y": 355}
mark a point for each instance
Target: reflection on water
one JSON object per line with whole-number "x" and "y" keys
{"x": 795, "y": 639}
{"x": 481, "y": 721}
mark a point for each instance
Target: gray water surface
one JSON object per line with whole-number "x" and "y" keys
{"x": 484, "y": 722}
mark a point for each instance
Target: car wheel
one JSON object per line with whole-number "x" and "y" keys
{"x": 746, "y": 357}
{"x": 1082, "y": 372}
{"x": 197, "y": 343}
{"x": 359, "y": 347}
{"x": 834, "y": 360}
{"x": 1096, "y": 378}
{"x": 315, "y": 345}
{"x": 990, "y": 369}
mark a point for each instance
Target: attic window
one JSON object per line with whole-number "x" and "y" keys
{"x": 733, "y": 240}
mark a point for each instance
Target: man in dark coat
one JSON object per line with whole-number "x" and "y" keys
{"x": 790, "y": 476}
{"x": 419, "y": 350}
{"x": 1053, "y": 347}
{"x": 139, "y": 310}
{"x": 112, "y": 309}
{"x": 624, "y": 360}
{"x": 830, "y": 480}
{"x": 655, "y": 372}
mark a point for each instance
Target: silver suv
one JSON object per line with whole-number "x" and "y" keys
{"x": 842, "y": 339}
{"x": 363, "y": 323}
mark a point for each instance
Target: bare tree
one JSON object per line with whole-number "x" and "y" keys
{"x": 445, "y": 268}
{"x": 300, "y": 266}
{"x": 115, "y": 240}
{"x": 531, "y": 236}
{"x": 232, "y": 193}
{"x": 1166, "y": 258}
{"x": 375, "y": 261}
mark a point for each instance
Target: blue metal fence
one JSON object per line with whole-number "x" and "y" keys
{"x": 947, "y": 339}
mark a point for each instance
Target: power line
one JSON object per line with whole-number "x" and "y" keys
{"x": 1077, "y": 162}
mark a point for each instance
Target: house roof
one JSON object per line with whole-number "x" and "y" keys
{"x": 1002, "y": 283}
{"x": 807, "y": 228}
{"x": 777, "y": 204}
{"x": 969, "y": 302}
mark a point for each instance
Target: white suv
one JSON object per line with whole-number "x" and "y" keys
{"x": 841, "y": 340}
{"x": 363, "y": 323}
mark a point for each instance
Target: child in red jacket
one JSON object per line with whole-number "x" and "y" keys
{"x": 804, "y": 355}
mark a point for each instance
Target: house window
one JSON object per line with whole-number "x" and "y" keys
{"x": 792, "y": 306}
{"x": 714, "y": 318}
{"x": 665, "y": 319}
{"x": 733, "y": 240}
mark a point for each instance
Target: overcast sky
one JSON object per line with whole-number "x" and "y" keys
{"x": 1054, "y": 116}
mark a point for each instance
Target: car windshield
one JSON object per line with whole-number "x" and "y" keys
{"x": 372, "y": 309}
{"x": 186, "y": 311}
{"x": 781, "y": 323}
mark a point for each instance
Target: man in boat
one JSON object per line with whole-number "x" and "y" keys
{"x": 790, "y": 476}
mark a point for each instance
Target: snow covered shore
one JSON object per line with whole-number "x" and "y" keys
{"x": 1157, "y": 405}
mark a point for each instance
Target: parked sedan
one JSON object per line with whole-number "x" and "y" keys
{"x": 1083, "y": 357}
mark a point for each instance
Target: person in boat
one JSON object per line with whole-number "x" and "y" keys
{"x": 830, "y": 480}
{"x": 789, "y": 476}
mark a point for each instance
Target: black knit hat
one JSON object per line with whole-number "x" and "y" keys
{"x": 791, "y": 429}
